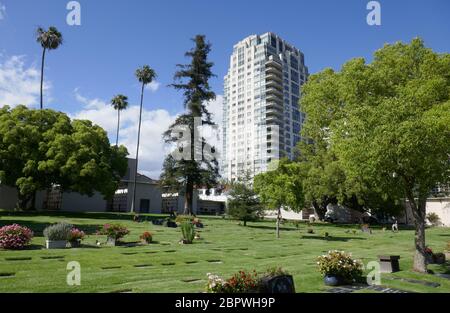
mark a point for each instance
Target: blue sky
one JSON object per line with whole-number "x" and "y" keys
{"x": 98, "y": 58}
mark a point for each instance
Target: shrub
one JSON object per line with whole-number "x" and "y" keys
{"x": 326, "y": 234}
{"x": 115, "y": 231}
{"x": 310, "y": 231}
{"x": 76, "y": 234}
{"x": 147, "y": 237}
{"x": 14, "y": 236}
{"x": 275, "y": 271}
{"x": 434, "y": 219}
{"x": 180, "y": 219}
{"x": 215, "y": 283}
{"x": 241, "y": 282}
{"x": 341, "y": 264}
{"x": 58, "y": 232}
{"x": 187, "y": 229}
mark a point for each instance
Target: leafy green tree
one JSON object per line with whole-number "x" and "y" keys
{"x": 198, "y": 166}
{"x": 145, "y": 75}
{"x": 389, "y": 125}
{"x": 243, "y": 203}
{"x": 43, "y": 148}
{"x": 49, "y": 39}
{"x": 119, "y": 103}
{"x": 281, "y": 188}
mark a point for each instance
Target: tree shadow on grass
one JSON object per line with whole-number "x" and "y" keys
{"x": 271, "y": 227}
{"x": 333, "y": 238}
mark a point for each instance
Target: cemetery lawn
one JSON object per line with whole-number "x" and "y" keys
{"x": 225, "y": 248}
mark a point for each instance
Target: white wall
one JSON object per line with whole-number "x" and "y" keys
{"x": 441, "y": 207}
{"x": 75, "y": 202}
{"x": 145, "y": 191}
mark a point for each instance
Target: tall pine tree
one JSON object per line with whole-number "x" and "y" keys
{"x": 193, "y": 164}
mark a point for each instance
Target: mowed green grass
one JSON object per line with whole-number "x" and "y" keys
{"x": 225, "y": 248}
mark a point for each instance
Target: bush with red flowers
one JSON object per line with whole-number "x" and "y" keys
{"x": 15, "y": 236}
{"x": 241, "y": 282}
{"x": 115, "y": 231}
{"x": 147, "y": 237}
{"x": 76, "y": 235}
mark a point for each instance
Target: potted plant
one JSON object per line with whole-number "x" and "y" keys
{"x": 146, "y": 237}
{"x": 75, "y": 237}
{"x": 14, "y": 236}
{"x": 429, "y": 255}
{"x": 57, "y": 235}
{"x": 113, "y": 232}
{"x": 339, "y": 268}
{"x": 188, "y": 232}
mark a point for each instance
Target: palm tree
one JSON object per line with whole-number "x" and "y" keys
{"x": 119, "y": 102}
{"x": 49, "y": 39}
{"x": 145, "y": 75}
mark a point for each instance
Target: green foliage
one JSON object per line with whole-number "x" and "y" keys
{"x": 339, "y": 263}
{"x": 116, "y": 231}
{"x": 434, "y": 219}
{"x": 59, "y": 231}
{"x": 201, "y": 167}
{"x": 49, "y": 39}
{"x": 43, "y": 148}
{"x": 188, "y": 232}
{"x": 183, "y": 218}
{"x": 145, "y": 75}
{"x": 281, "y": 187}
{"x": 386, "y": 125}
{"x": 243, "y": 203}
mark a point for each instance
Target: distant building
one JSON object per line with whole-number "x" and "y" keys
{"x": 206, "y": 202}
{"x": 148, "y": 197}
{"x": 261, "y": 116}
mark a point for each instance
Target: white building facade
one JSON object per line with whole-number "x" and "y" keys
{"x": 261, "y": 120}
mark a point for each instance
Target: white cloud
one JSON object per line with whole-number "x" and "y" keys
{"x": 19, "y": 84}
{"x": 152, "y": 150}
{"x": 2, "y": 11}
{"x": 153, "y": 86}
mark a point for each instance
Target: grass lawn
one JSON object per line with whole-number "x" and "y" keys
{"x": 225, "y": 248}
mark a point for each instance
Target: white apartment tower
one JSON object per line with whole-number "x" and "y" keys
{"x": 261, "y": 120}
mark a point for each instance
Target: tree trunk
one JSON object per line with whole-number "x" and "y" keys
{"x": 188, "y": 197}
{"x": 23, "y": 200}
{"x": 245, "y": 222}
{"x": 118, "y": 127}
{"x": 133, "y": 204}
{"x": 278, "y": 222}
{"x": 418, "y": 211}
{"x": 42, "y": 78}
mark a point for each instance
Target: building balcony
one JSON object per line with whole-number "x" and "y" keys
{"x": 275, "y": 77}
{"x": 274, "y": 98}
{"x": 274, "y": 64}
{"x": 273, "y": 70}
{"x": 274, "y": 91}
{"x": 274, "y": 83}
{"x": 274, "y": 111}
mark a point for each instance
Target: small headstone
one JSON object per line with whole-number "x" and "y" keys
{"x": 389, "y": 264}
{"x": 278, "y": 284}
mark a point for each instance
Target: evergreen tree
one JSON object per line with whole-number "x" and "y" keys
{"x": 193, "y": 163}
{"x": 244, "y": 203}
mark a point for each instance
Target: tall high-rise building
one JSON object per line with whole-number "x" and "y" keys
{"x": 261, "y": 120}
